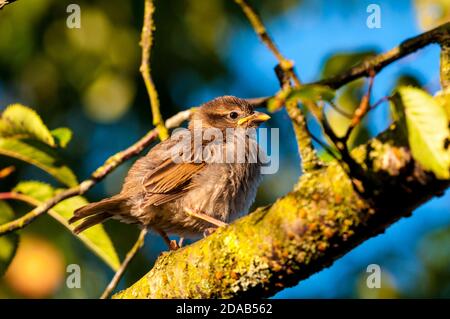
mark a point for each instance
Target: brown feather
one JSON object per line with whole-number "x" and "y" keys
{"x": 91, "y": 221}
{"x": 169, "y": 181}
{"x": 96, "y": 213}
{"x": 108, "y": 204}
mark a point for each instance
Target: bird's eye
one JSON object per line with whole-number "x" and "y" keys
{"x": 234, "y": 115}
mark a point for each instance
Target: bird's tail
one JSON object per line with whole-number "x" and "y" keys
{"x": 96, "y": 213}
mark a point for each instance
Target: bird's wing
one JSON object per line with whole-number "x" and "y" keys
{"x": 167, "y": 180}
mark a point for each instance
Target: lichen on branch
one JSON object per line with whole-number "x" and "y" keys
{"x": 301, "y": 233}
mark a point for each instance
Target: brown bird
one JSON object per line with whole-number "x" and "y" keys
{"x": 188, "y": 197}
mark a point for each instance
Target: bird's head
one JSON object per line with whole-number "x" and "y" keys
{"x": 228, "y": 112}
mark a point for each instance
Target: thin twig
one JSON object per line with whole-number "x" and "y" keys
{"x": 362, "y": 110}
{"x": 285, "y": 71}
{"x": 23, "y": 221}
{"x": 128, "y": 258}
{"x": 286, "y": 65}
{"x": 339, "y": 110}
{"x": 17, "y": 196}
{"x": 378, "y": 62}
{"x": 257, "y": 24}
{"x": 96, "y": 176}
{"x": 382, "y": 60}
{"x": 380, "y": 101}
{"x": 55, "y": 215}
{"x": 146, "y": 44}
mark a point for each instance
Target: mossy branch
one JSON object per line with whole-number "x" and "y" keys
{"x": 445, "y": 62}
{"x": 324, "y": 216}
{"x": 301, "y": 233}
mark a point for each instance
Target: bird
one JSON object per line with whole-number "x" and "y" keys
{"x": 195, "y": 195}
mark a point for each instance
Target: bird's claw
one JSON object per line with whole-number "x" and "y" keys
{"x": 173, "y": 245}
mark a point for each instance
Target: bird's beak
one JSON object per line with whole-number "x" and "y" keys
{"x": 256, "y": 117}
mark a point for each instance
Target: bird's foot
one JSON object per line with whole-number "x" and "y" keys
{"x": 173, "y": 245}
{"x": 180, "y": 242}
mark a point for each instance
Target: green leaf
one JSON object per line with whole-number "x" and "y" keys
{"x": 95, "y": 238}
{"x": 38, "y": 190}
{"x": 341, "y": 62}
{"x": 309, "y": 92}
{"x": 40, "y": 155}
{"x": 22, "y": 122}
{"x": 428, "y": 132}
{"x": 24, "y": 136}
{"x": 62, "y": 136}
{"x": 312, "y": 92}
{"x": 6, "y": 213}
{"x": 8, "y": 243}
{"x": 347, "y": 100}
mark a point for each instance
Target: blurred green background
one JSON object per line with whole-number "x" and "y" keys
{"x": 87, "y": 79}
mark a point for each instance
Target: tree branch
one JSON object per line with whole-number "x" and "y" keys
{"x": 378, "y": 62}
{"x": 324, "y": 217}
{"x": 100, "y": 173}
{"x": 257, "y": 24}
{"x": 301, "y": 233}
{"x": 146, "y": 43}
